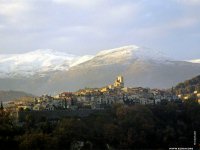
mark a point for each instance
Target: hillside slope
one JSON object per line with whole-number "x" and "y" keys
{"x": 12, "y": 95}
{"x": 189, "y": 86}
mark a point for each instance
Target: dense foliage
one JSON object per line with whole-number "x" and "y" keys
{"x": 189, "y": 86}
{"x": 120, "y": 127}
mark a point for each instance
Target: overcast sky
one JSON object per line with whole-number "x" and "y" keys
{"x": 88, "y": 26}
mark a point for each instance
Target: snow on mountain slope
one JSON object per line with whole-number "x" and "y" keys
{"x": 37, "y": 62}
{"x": 128, "y": 54}
{"x": 42, "y": 61}
{"x": 133, "y": 51}
{"x": 81, "y": 59}
{"x": 194, "y": 61}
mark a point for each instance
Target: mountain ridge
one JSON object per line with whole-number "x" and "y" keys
{"x": 188, "y": 86}
{"x": 140, "y": 67}
{"x": 13, "y": 95}
{"x": 42, "y": 61}
{"x": 38, "y": 61}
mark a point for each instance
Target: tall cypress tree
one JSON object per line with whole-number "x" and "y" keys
{"x": 1, "y": 108}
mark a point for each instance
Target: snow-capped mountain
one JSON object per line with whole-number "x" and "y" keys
{"x": 38, "y": 62}
{"x": 42, "y": 61}
{"x": 49, "y": 71}
{"x": 135, "y": 52}
{"x": 127, "y": 55}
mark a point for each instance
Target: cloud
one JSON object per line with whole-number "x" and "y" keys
{"x": 78, "y": 3}
{"x": 13, "y": 12}
{"x": 186, "y": 22}
{"x": 165, "y": 29}
{"x": 115, "y": 17}
{"x": 2, "y": 27}
{"x": 91, "y": 25}
{"x": 11, "y": 7}
{"x": 189, "y": 2}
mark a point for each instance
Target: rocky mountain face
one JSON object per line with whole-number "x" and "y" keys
{"x": 48, "y": 71}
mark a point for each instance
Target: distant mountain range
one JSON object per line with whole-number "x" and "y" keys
{"x": 49, "y": 71}
{"x": 38, "y": 62}
{"x": 12, "y": 95}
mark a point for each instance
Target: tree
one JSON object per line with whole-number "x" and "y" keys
{"x": 29, "y": 122}
{"x": 36, "y": 141}
{"x": 1, "y": 107}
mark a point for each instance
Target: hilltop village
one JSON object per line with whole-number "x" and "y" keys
{"x": 95, "y": 98}
{"x": 95, "y": 115}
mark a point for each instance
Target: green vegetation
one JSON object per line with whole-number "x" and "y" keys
{"x": 120, "y": 127}
{"x": 189, "y": 86}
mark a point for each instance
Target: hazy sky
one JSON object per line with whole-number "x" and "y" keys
{"x": 88, "y": 26}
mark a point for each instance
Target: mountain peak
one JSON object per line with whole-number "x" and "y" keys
{"x": 38, "y": 62}
{"x": 42, "y": 61}
{"x": 133, "y": 51}
{"x": 120, "y": 49}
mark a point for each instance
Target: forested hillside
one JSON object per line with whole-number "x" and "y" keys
{"x": 120, "y": 127}
{"x": 189, "y": 86}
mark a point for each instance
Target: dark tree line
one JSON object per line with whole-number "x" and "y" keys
{"x": 120, "y": 127}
